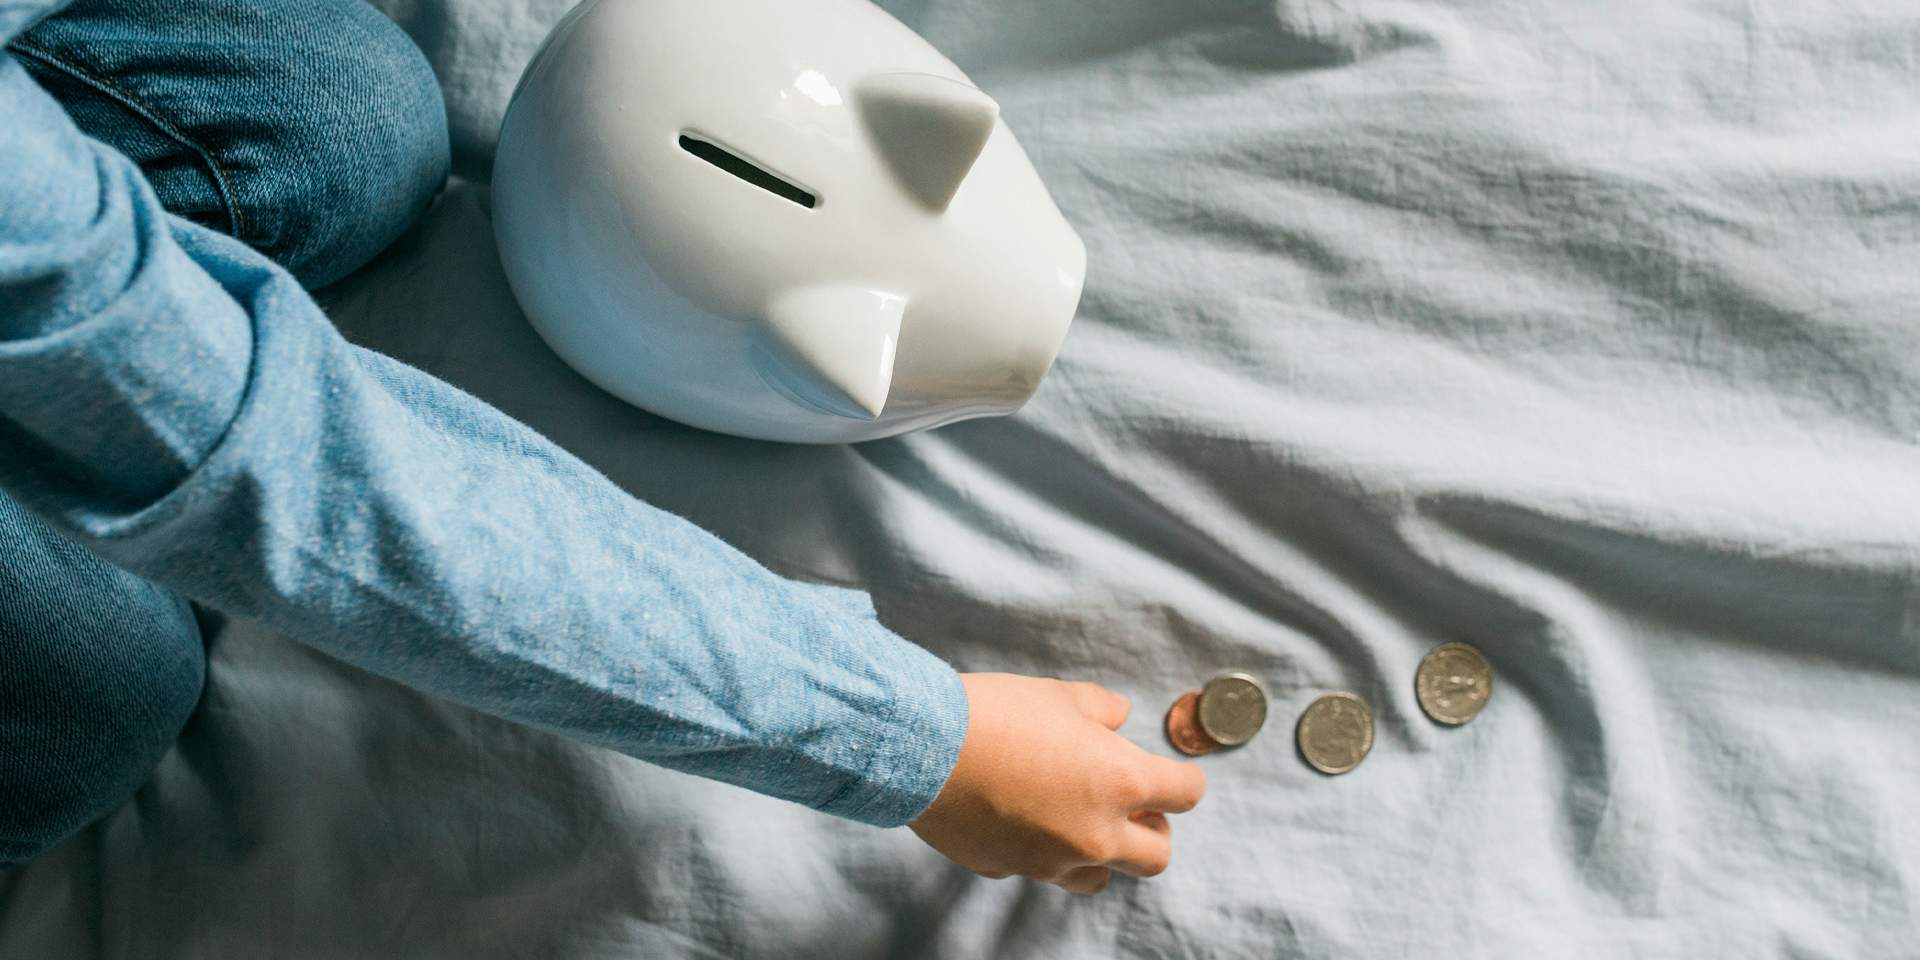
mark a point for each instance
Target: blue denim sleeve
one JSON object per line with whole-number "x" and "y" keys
{"x": 177, "y": 404}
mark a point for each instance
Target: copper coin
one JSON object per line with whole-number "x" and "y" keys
{"x": 1183, "y": 726}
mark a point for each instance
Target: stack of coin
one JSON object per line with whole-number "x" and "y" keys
{"x": 1227, "y": 712}
{"x": 1183, "y": 726}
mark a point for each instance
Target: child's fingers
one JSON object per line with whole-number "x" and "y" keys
{"x": 1144, "y": 850}
{"x": 1173, "y": 786}
{"x": 1153, "y": 820}
{"x": 1109, "y": 709}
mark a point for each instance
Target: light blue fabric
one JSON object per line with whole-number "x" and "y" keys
{"x": 177, "y": 404}
{"x": 1586, "y": 332}
{"x": 315, "y": 132}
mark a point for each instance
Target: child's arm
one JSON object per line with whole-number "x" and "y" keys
{"x": 177, "y": 404}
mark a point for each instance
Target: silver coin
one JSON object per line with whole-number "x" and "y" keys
{"x": 1233, "y": 706}
{"x": 1454, "y": 681}
{"x": 1335, "y": 732}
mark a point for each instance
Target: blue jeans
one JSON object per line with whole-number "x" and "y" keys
{"x": 315, "y": 133}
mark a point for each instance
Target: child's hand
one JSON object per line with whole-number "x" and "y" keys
{"x": 1045, "y": 789}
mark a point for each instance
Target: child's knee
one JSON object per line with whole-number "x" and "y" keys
{"x": 92, "y": 727}
{"x": 99, "y": 672}
{"x": 360, "y": 153}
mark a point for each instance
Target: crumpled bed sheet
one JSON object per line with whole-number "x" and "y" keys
{"x": 1588, "y": 333}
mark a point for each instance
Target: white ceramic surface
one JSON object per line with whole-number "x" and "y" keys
{"x": 898, "y": 266}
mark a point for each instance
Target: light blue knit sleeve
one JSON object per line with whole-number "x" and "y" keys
{"x": 176, "y": 403}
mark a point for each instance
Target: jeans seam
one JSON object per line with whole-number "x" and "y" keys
{"x": 104, "y": 85}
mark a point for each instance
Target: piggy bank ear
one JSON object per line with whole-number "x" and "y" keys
{"x": 832, "y": 348}
{"x": 929, "y": 128}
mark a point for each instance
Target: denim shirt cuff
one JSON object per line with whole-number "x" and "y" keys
{"x": 912, "y": 747}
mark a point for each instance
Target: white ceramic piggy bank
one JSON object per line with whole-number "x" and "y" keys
{"x": 779, "y": 219}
